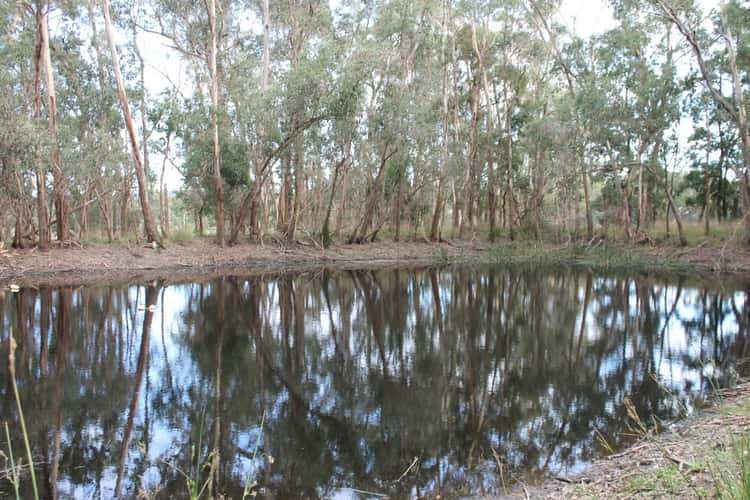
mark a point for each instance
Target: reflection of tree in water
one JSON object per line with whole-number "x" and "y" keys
{"x": 355, "y": 374}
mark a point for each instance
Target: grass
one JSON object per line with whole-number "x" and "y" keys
{"x": 605, "y": 256}
{"x": 708, "y": 458}
{"x": 183, "y": 235}
{"x": 15, "y": 470}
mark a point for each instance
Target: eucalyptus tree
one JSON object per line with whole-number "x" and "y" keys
{"x": 730, "y": 24}
{"x": 152, "y": 234}
{"x": 44, "y": 61}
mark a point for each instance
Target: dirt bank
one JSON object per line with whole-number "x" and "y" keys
{"x": 699, "y": 457}
{"x": 202, "y": 258}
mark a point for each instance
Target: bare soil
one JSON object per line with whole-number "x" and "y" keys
{"x": 695, "y": 458}
{"x": 203, "y": 259}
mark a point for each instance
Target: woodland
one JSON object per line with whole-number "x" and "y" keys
{"x": 357, "y": 121}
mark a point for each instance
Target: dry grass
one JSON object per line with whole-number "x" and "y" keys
{"x": 707, "y": 455}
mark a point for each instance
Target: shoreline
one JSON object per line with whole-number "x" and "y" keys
{"x": 699, "y": 456}
{"x": 102, "y": 264}
{"x": 202, "y": 258}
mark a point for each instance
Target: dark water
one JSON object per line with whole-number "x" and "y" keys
{"x": 345, "y": 378}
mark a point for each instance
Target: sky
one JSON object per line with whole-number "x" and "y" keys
{"x": 586, "y": 17}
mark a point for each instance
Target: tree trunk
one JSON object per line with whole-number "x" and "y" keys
{"x": 163, "y": 193}
{"x": 672, "y": 204}
{"x": 360, "y": 233}
{"x": 41, "y": 188}
{"x": 148, "y": 219}
{"x": 325, "y": 232}
{"x": 106, "y": 207}
{"x": 491, "y": 200}
{"x": 466, "y": 209}
{"x": 509, "y": 180}
{"x": 587, "y": 202}
{"x": 707, "y": 174}
{"x": 58, "y": 191}
{"x": 437, "y": 213}
{"x": 219, "y": 185}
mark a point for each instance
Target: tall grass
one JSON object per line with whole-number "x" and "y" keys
{"x": 22, "y": 420}
{"x": 733, "y": 479}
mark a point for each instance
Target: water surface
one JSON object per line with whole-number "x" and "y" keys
{"x": 329, "y": 384}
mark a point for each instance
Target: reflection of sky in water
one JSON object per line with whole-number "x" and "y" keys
{"x": 376, "y": 368}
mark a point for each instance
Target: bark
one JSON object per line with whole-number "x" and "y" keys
{"x": 587, "y": 203}
{"x": 491, "y": 199}
{"x": 341, "y": 212}
{"x": 258, "y": 177}
{"x": 360, "y": 233}
{"x": 163, "y": 193}
{"x": 707, "y": 174}
{"x": 668, "y": 192}
{"x": 148, "y": 219}
{"x": 219, "y": 185}
{"x": 105, "y": 206}
{"x": 265, "y": 171}
{"x": 41, "y": 188}
{"x": 437, "y": 213}
{"x": 466, "y": 209}
{"x": 58, "y": 191}
{"x": 511, "y": 217}
{"x": 325, "y": 231}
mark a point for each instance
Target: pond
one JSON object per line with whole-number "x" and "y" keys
{"x": 349, "y": 384}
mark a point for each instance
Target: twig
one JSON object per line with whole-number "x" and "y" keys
{"x": 628, "y": 451}
{"x": 500, "y": 467}
{"x": 414, "y": 462}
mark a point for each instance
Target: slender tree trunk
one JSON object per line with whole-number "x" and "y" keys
{"x": 299, "y": 189}
{"x": 437, "y": 213}
{"x": 148, "y": 219}
{"x": 667, "y": 191}
{"x": 41, "y": 188}
{"x": 259, "y": 178}
{"x": 58, "y": 192}
{"x": 707, "y": 174}
{"x": 163, "y": 193}
{"x": 219, "y": 185}
{"x": 360, "y": 233}
{"x": 106, "y": 207}
{"x": 325, "y": 232}
{"x": 491, "y": 200}
{"x": 511, "y": 216}
{"x": 587, "y": 202}
{"x": 466, "y": 209}
{"x": 341, "y": 213}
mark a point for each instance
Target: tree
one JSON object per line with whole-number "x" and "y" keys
{"x": 152, "y": 235}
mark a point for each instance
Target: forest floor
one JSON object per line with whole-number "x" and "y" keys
{"x": 202, "y": 258}
{"x": 707, "y": 455}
